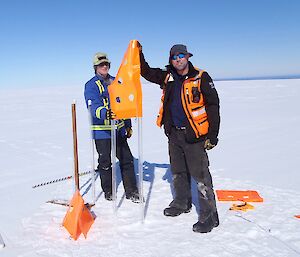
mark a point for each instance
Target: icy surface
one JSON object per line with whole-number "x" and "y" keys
{"x": 258, "y": 150}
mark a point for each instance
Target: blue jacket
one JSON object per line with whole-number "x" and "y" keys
{"x": 96, "y": 90}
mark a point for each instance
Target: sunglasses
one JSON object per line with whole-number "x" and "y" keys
{"x": 104, "y": 64}
{"x": 180, "y": 56}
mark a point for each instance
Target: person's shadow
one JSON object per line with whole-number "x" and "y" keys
{"x": 88, "y": 183}
{"x": 148, "y": 176}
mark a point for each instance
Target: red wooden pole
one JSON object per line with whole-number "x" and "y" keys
{"x": 75, "y": 147}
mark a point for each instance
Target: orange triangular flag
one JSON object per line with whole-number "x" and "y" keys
{"x": 78, "y": 218}
{"x": 297, "y": 216}
{"x": 86, "y": 221}
{"x": 125, "y": 92}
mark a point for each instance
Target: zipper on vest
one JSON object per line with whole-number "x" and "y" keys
{"x": 187, "y": 111}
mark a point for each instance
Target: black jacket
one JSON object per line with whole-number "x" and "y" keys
{"x": 210, "y": 95}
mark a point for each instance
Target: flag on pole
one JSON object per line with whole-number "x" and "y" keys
{"x": 126, "y": 91}
{"x": 78, "y": 218}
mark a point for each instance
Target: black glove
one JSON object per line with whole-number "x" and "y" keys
{"x": 210, "y": 144}
{"x": 129, "y": 132}
{"x": 110, "y": 115}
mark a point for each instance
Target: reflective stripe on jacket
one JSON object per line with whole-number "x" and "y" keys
{"x": 96, "y": 90}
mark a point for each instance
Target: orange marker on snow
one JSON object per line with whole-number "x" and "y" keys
{"x": 235, "y": 195}
{"x": 241, "y": 207}
{"x": 78, "y": 218}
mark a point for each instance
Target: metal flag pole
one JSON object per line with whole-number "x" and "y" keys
{"x": 140, "y": 169}
{"x": 75, "y": 147}
{"x": 93, "y": 174}
{"x": 113, "y": 160}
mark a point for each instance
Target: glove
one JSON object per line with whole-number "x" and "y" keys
{"x": 208, "y": 145}
{"x": 110, "y": 115}
{"x": 129, "y": 132}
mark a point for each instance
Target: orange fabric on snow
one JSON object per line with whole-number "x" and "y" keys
{"x": 78, "y": 218}
{"x": 235, "y": 195}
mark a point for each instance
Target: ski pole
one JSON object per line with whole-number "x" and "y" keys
{"x": 113, "y": 157}
{"x": 92, "y": 151}
{"x": 140, "y": 169}
{"x": 60, "y": 179}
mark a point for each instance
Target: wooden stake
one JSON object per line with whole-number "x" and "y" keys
{"x": 67, "y": 203}
{"x": 76, "y": 176}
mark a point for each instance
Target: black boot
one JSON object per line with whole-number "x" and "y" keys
{"x": 108, "y": 196}
{"x": 205, "y": 226}
{"x": 175, "y": 209}
{"x": 133, "y": 196}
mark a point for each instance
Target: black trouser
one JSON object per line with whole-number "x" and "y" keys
{"x": 125, "y": 157}
{"x": 190, "y": 160}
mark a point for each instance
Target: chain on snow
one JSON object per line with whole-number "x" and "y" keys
{"x": 60, "y": 179}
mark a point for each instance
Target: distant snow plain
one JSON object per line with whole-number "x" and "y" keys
{"x": 258, "y": 150}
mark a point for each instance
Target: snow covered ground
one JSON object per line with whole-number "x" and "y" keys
{"x": 258, "y": 150}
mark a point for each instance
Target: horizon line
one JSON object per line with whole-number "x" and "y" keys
{"x": 297, "y": 76}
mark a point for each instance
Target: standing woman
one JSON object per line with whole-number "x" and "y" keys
{"x": 96, "y": 90}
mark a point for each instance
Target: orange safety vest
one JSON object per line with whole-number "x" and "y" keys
{"x": 195, "y": 112}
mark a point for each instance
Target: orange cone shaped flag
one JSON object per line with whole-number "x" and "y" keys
{"x": 78, "y": 218}
{"x": 86, "y": 221}
{"x": 125, "y": 92}
{"x": 234, "y": 195}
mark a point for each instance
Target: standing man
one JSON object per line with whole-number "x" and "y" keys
{"x": 191, "y": 120}
{"x": 96, "y": 90}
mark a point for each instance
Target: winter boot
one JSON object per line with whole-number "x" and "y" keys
{"x": 133, "y": 196}
{"x": 108, "y": 196}
{"x": 173, "y": 211}
{"x": 204, "y": 226}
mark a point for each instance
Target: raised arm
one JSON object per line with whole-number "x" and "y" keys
{"x": 154, "y": 75}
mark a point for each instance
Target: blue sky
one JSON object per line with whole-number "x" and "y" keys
{"x": 51, "y": 43}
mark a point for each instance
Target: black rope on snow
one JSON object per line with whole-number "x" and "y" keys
{"x": 60, "y": 179}
{"x": 267, "y": 231}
